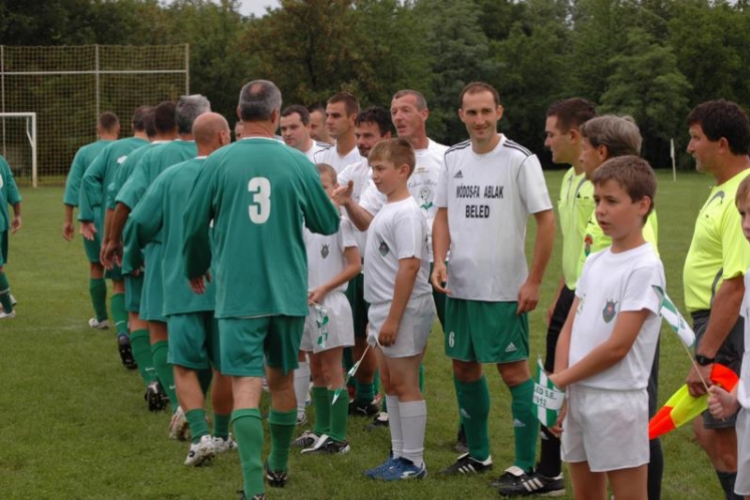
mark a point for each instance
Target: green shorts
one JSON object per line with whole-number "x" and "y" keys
{"x": 194, "y": 340}
{"x": 3, "y": 247}
{"x": 245, "y": 342}
{"x": 485, "y": 332}
{"x": 355, "y": 294}
{"x": 152, "y": 296}
{"x": 133, "y": 290}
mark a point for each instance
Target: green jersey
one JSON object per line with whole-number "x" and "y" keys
{"x": 81, "y": 163}
{"x": 124, "y": 173}
{"x": 160, "y": 210}
{"x": 9, "y": 194}
{"x": 259, "y": 193}
{"x": 100, "y": 175}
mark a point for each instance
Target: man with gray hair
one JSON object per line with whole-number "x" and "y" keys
{"x": 257, "y": 190}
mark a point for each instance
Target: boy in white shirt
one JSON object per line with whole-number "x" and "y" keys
{"x": 607, "y": 346}
{"x": 331, "y": 262}
{"x": 401, "y": 306}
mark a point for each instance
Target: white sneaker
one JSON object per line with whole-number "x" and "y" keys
{"x": 301, "y": 418}
{"x": 201, "y": 451}
{"x": 178, "y": 426}
{"x": 5, "y": 315}
{"x": 306, "y": 440}
{"x": 99, "y": 325}
{"x": 222, "y": 445}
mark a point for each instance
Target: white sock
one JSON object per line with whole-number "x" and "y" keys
{"x": 301, "y": 386}
{"x": 394, "y": 423}
{"x": 413, "y": 424}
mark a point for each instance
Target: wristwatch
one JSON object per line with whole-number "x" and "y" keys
{"x": 704, "y": 360}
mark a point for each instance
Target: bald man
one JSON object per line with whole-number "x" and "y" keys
{"x": 193, "y": 332}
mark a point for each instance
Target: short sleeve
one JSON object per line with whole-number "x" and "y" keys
{"x": 347, "y": 234}
{"x": 735, "y": 250}
{"x": 639, "y": 290}
{"x": 441, "y": 196}
{"x": 532, "y": 187}
{"x": 409, "y": 235}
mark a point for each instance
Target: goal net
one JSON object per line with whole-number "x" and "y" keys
{"x": 68, "y": 87}
{"x": 18, "y": 144}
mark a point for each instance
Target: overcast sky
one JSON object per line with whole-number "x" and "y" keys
{"x": 257, "y": 7}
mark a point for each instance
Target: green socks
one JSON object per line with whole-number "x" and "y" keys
{"x": 5, "y": 293}
{"x": 221, "y": 426}
{"x": 248, "y": 430}
{"x": 197, "y": 422}
{"x": 164, "y": 370}
{"x": 322, "y": 410}
{"x": 98, "y": 291}
{"x": 281, "y": 425}
{"x": 119, "y": 314}
{"x": 421, "y": 378}
{"x": 339, "y": 415}
{"x": 140, "y": 345}
{"x": 525, "y": 424}
{"x": 474, "y": 406}
{"x": 364, "y": 393}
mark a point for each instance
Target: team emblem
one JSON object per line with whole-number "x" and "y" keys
{"x": 609, "y": 311}
{"x": 383, "y": 248}
{"x": 324, "y": 251}
{"x": 580, "y": 305}
{"x": 587, "y": 242}
{"x": 425, "y": 194}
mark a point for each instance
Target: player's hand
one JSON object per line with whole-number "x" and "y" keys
{"x": 387, "y": 335}
{"x": 15, "y": 224}
{"x": 721, "y": 403}
{"x": 528, "y": 297}
{"x": 88, "y": 230}
{"x": 317, "y": 296}
{"x": 439, "y": 277}
{"x": 67, "y": 231}
{"x": 199, "y": 285}
{"x": 111, "y": 255}
{"x": 557, "y": 429}
{"x": 342, "y": 195}
{"x": 696, "y": 385}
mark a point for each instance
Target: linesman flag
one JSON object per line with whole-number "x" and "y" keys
{"x": 673, "y": 317}
{"x": 548, "y": 399}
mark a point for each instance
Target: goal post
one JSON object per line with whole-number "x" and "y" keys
{"x": 19, "y": 144}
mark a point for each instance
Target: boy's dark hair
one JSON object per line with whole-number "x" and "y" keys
{"x": 164, "y": 117}
{"x": 397, "y": 151}
{"x": 376, "y": 115}
{"x": 302, "y": 111}
{"x": 619, "y": 134}
{"x": 724, "y": 119}
{"x": 633, "y": 174}
{"x": 475, "y": 88}
{"x": 743, "y": 190}
{"x": 108, "y": 121}
{"x": 571, "y": 113}
{"x": 326, "y": 169}
{"x": 351, "y": 103}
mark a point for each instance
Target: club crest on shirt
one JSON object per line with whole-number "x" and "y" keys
{"x": 324, "y": 251}
{"x": 609, "y": 311}
{"x": 383, "y": 248}
{"x": 425, "y": 194}
{"x": 580, "y": 305}
{"x": 587, "y": 242}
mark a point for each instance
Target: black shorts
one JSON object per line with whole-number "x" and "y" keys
{"x": 559, "y": 315}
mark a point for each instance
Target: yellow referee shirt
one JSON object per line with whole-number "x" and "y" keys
{"x": 575, "y": 206}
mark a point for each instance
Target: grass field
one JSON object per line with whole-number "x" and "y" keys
{"x": 73, "y": 423}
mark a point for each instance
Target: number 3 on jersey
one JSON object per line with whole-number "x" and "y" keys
{"x": 261, "y": 207}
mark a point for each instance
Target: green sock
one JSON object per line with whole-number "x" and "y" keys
{"x": 339, "y": 416}
{"x": 98, "y": 292}
{"x": 205, "y": 376}
{"x": 164, "y": 370}
{"x": 322, "y": 410}
{"x": 281, "y": 424}
{"x": 525, "y": 424}
{"x": 248, "y": 430}
{"x": 197, "y": 422}
{"x": 457, "y": 386}
{"x": 365, "y": 393}
{"x": 221, "y": 426}
{"x": 376, "y": 383}
{"x": 474, "y": 406}
{"x": 5, "y": 293}
{"x": 119, "y": 314}
{"x": 140, "y": 345}
{"x": 421, "y": 378}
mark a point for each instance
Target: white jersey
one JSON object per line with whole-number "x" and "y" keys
{"x": 325, "y": 255}
{"x": 360, "y": 174}
{"x": 743, "y": 389}
{"x": 398, "y": 231}
{"x": 332, "y": 157}
{"x": 612, "y": 283}
{"x": 489, "y": 198}
{"x": 316, "y": 146}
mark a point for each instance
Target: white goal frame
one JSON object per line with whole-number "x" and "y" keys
{"x": 30, "y": 136}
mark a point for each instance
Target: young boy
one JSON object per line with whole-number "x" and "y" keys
{"x": 402, "y": 309}
{"x": 332, "y": 261}
{"x": 723, "y": 404}
{"x": 8, "y": 196}
{"x": 607, "y": 346}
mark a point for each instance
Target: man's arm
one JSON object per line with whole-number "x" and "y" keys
{"x": 408, "y": 269}
{"x": 562, "y": 351}
{"x": 321, "y": 215}
{"x": 16, "y": 223}
{"x": 196, "y": 247}
{"x": 528, "y": 295}
{"x": 441, "y": 241}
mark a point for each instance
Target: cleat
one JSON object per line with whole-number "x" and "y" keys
{"x": 222, "y": 445}
{"x": 467, "y": 466}
{"x": 178, "y": 426}
{"x": 380, "y": 420}
{"x": 326, "y": 445}
{"x": 306, "y": 440}
{"x": 13, "y": 300}
{"x": 402, "y": 469}
{"x": 461, "y": 445}
{"x": 126, "y": 354}
{"x": 516, "y": 483}
{"x": 276, "y": 478}
{"x": 360, "y": 409}
{"x": 99, "y": 325}
{"x": 200, "y": 452}
{"x": 302, "y": 419}
{"x": 155, "y": 397}
{"x": 259, "y": 496}
{"x": 10, "y": 315}
{"x": 376, "y": 471}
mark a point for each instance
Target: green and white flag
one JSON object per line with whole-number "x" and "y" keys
{"x": 321, "y": 320}
{"x": 674, "y": 319}
{"x": 548, "y": 399}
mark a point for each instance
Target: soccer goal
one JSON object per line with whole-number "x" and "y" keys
{"x": 18, "y": 144}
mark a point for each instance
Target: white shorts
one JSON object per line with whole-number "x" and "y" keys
{"x": 742, "y": 483}
{"x": 415, "y": 327}
{"x": 606, "y": 428}
{"x": 340, "y": 326}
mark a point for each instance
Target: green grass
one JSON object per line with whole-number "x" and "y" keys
{"x": 73, "y": 423}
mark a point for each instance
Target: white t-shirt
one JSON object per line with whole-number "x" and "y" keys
{"x": 325, "y": 255}
{"x": 398, "y": 231}
{"x": 360, "y": 174}
{"x": 489, "y": 198}
{"x": 331, "y": 156}
{"x": 612, "y": 283}
{"x": 316, "y": 146}
{"x": 743, "y": 390}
